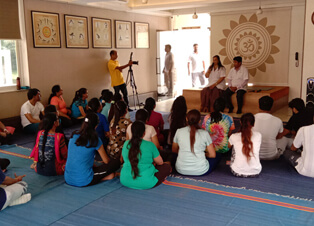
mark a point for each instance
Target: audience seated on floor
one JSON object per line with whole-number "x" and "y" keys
{"x": 246, "y": 144}
{"x": 106, "y": 98}
{"x": 177, "y": 117}
{"x": 57, "y": 100}
{"x": 303, "y": 159}
{"x": 79, "y": 103}
{"x": 118, "y": 127}
{"x": 219, "y": 126}
{"x": 103, "y": 127}
{"x": 270, "y": 127}
{"x": 14, "y": 192}
{"x": 139, "y": 157}
{"x": 5, "y": 134}
{"x": 300, "y": 117}
{"x": 50, "y": 151}
{"x": 31, "y": 110}
{"x": 155, "y": 119}
{"x": 190, "y": 142}
{"x": 79, "y": 169}
{"x": 150, "y": 132}
{"x": 116, "y": 98}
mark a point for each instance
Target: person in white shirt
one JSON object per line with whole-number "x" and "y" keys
{"x": 150, "y": 132}
{"x": 245, "y": 160}
{"x": 169, "y": 71}
{"x": 237, "y": 79}
{"x": 302, "y": 160}
{"x": 216, "y": 74}
{"x": 270, "y": 127}
{"x": 198, "y": 66}
{"x": 31, "y": 110}
{"x": 196, "y": 153}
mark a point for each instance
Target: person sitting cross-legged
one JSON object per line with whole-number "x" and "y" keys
{"x": 31, "y": 110}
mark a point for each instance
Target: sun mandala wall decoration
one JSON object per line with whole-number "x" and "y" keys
{"x": 252, "y": 39}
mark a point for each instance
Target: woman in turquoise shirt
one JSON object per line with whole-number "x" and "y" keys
{"x": 138, "y": 170}
{"x": 79, "y": 103}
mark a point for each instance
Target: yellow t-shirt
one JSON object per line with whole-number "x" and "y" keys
{"x": 116, "y": 75}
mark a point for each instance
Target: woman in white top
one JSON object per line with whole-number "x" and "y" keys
{"x": 150, "y": 132}
{"x": 193, "y": 145}
{"x": 245, "y": 160}
{"x": 216, "y": 74}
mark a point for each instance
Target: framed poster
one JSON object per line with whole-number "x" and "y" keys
{"x": 101, "y": 33}
{"x": 46, "y": 30}
{"x": 123, "y": 34}
{"x": 76, "y": 34}
{"x": 141, "y": 35}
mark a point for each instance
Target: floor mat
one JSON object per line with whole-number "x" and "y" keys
{"x": 184, "y": 202}
{"x": 276, "y": 177}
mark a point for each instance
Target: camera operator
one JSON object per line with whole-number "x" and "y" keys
{"x": 117, "y": 80}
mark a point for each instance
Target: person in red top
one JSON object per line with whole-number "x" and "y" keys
{"x": 155, "y": 119}
{"x": 50, "y": 151}
{"x": 57, "y": 100}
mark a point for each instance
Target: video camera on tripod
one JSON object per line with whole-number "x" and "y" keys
{"x": 134, "y": 62}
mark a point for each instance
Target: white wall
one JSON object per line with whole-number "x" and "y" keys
{"x": 308, "y": 55}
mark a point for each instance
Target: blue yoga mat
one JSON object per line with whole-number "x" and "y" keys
{"x": 170, "y": 205}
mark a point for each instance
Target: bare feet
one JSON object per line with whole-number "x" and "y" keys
{"x": 109, "y": 177}
{"x": 33, "y": 166}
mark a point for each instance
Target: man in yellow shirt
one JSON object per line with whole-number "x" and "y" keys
{"x": 117, "y": 80}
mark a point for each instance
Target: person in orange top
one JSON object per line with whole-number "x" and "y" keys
{"x": 117, "y": 80}
{"x": 57, "y": 100}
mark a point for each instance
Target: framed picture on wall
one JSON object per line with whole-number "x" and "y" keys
{"x": 76, "y": 32}
{"x": 141, "y": 32}
{"x": 123, "y": 34}
{"x": 46, "y": 30}
{"x": 101, "y": 33}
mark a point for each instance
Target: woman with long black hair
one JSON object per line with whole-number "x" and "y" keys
{"x": 118, "y": 127}
{"x": 196, "y": 153}
{"x": 79, "y": 103}
{"x": 177, "y": 117}
{"x": 79, "y": 170}
{"x": 139, "y": 156}
{"x": 219, "y": 126}
{"x": 245, "y": 160}
{"x": 216, "y": 74}
{"x": 155, "y": 119}
{"x": 57, "y": 100}
{"x": 50, "y": 151}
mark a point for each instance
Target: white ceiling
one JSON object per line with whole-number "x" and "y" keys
{"x": 177, "y": 7}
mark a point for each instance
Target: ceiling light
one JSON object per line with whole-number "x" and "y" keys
{"x": 195, "y": 16}
{"x": 144, "y": 1}
{"x": 259, "y": 11}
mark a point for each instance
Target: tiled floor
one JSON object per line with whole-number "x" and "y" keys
{"x": 284, "y": 113}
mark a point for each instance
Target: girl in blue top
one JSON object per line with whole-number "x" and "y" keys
{"x": 79, "y": 103}
{"x": 103, "y": 127}
{"x": 79, "y": 170}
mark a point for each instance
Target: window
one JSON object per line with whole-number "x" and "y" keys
{"x": 13, "y": 46}
{"x": 8, "y": 65}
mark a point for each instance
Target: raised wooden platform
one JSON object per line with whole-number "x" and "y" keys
{"x": 280, "y": 94}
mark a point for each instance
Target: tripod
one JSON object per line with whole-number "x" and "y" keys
{"x": 131, "y": 80}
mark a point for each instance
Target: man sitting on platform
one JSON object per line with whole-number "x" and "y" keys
{"x": 238, "y": 78}
{"x": 270, "y": 148}
{"x": 30, "y": 111}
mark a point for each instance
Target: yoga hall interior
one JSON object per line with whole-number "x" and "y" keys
{"x": 275, "y": 40}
